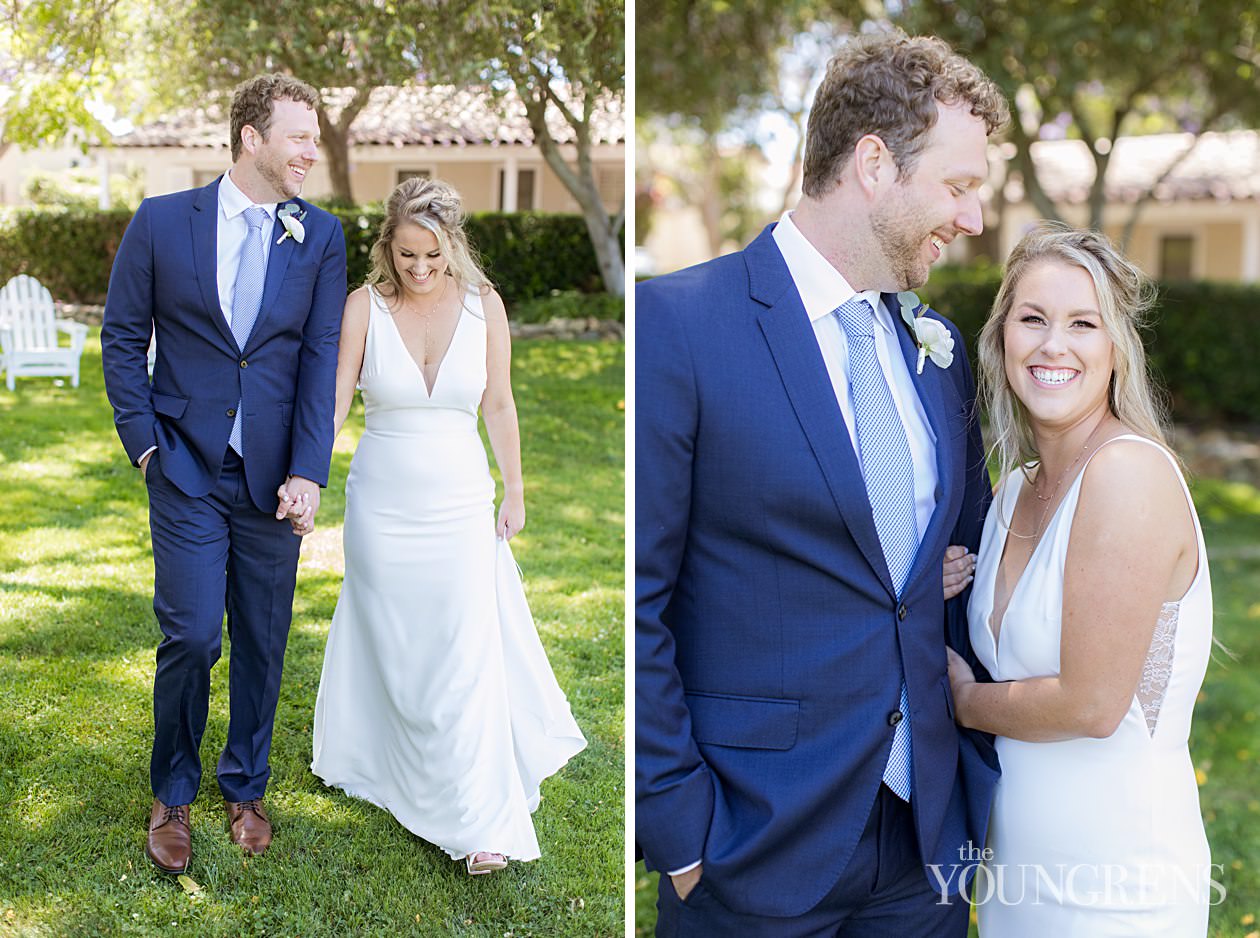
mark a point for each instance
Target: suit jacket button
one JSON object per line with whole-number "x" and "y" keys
{"x": 231, "y": 412}
{"x": 902, "y": 612}
{"x": 894, "y": 718}
{"x": 244, "y": 363}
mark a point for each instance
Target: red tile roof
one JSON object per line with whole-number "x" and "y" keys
{"x": 432, "y": 115}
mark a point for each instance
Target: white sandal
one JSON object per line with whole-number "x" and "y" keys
{"x": 482, "y": 862}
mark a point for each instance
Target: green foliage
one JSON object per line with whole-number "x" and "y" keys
{"x": 564, "y": 58}
{"x": 60, "y": 60}
{"x": 77, "y": 636}
{"x": 1201, "y": 341}
{"x": 526, "y": 254}
{"x": 569, "y": 304}
{"x": 80, "y": 188}
{"x": 70, "y": 251}
{"x": 1102, "y": 70}
{"x": 705, "y": 59}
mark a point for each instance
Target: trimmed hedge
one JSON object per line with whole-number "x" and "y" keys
{"x": 526, "y": 254}
{"x": 69, "y": 251}
{"x": 569, "y": 304}
{"x": 1202, "y": 342}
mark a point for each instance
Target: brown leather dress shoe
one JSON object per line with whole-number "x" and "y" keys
{"x": 170, "y": 837}
{"x": 249, "y": 825}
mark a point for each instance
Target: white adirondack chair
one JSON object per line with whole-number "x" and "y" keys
{"x": 29, "y": 327}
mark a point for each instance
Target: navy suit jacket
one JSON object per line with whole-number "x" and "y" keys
{"x": 767, "y": 627}
{"x": 164, "y": 282}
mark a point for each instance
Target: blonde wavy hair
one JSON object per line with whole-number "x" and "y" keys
{"x": 1125, "y": 297}
{"x": 435, "y": 206}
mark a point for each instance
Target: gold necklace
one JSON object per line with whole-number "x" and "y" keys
{"x": 1049, "y": 500}
{"x": 426, "y": 317}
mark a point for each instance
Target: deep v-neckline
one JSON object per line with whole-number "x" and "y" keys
{"x": 450, "y": 344}
{"x": 996, "y": 637}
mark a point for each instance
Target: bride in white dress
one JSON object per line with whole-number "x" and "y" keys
{"x": 436, "y": 701}
{"x": 1092, "y": 610}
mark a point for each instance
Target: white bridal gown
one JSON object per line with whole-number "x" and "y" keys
{"x": 436, "y": 701}
{"x": 1093, "y": 838}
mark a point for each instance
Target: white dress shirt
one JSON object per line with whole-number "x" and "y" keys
{"x": 230, "y": 239}
{"x": 823, "y": 289}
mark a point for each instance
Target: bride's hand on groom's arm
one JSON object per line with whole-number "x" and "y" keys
{"x": 959, "y": 568}
{"x": 961, "y": 678}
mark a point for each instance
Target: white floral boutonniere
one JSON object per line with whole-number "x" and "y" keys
{"x": 931, "y": 336}
{"x": 291, "y": 218}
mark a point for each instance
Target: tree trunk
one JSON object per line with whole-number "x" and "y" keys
{"x": 1028, "y": 171}
{"x": 336, "y": 146}
{"x": 335, "y": 136}
{"x": 604, "y": 229}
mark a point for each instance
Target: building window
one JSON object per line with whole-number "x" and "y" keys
{"x": 1176, "y": 257}
{"x": 525, "y": 180}
{"x": 403, "y": 175}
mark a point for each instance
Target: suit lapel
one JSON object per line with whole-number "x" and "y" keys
{"x": 205, "y": 228}
{"x": 277, "y": 263}
{"x": 931, "y": 391}
{"x": 799, "y": 361}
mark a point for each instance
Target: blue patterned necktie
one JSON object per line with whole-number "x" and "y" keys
{"x": 888, "y": 470}
{"x": 247, "y": 299}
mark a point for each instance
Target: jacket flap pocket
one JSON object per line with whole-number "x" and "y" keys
{"x": 743, "y": 722}
{"x": 170, "y": 406}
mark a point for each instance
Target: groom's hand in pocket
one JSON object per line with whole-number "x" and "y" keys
{"x": 685, "y": 882}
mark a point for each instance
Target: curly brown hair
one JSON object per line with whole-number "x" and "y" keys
{"x": 252, "y": 103}
{"x": 888, "y": 84}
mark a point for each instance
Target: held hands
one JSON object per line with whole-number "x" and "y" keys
{"x": 511, "y": 517}
{"x": 685, "y": 882}
{"x": 298, "y": 500}
{"x": 960, "y": 568}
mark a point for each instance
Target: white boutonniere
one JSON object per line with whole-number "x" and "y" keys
{"x": 291, "y": 218}
{"x": 930, "y": 335}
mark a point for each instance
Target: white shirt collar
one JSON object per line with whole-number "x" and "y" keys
{"x": 821, "y": 286}
{"x": 233, "y": 201}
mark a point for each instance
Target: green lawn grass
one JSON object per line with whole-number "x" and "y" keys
{"x": 77, "y": 640}
{"x": 1225, "y": 740}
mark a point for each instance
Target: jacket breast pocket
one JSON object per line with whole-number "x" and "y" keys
{"x": 744, "y": 722}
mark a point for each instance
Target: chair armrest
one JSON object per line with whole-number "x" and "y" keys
{"x": 77, "y": 332}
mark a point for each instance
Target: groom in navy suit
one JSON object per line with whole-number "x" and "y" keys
{"x": 243, "y": 285}
{"x": 806, "y": 447}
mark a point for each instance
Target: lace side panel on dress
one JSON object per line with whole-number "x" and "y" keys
{"x": 1157, "y": 670}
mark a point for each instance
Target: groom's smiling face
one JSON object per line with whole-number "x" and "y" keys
{"x": 935, "y": 202}
{"x": 290, "y": 150}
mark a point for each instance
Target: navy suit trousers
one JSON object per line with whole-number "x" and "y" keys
{"x": 884, "y": 892}
{"x": 211, "y": 554}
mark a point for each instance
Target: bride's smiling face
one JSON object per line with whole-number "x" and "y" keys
{"x": 1059, "y": 358}
{"x": 418, "y": 259}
